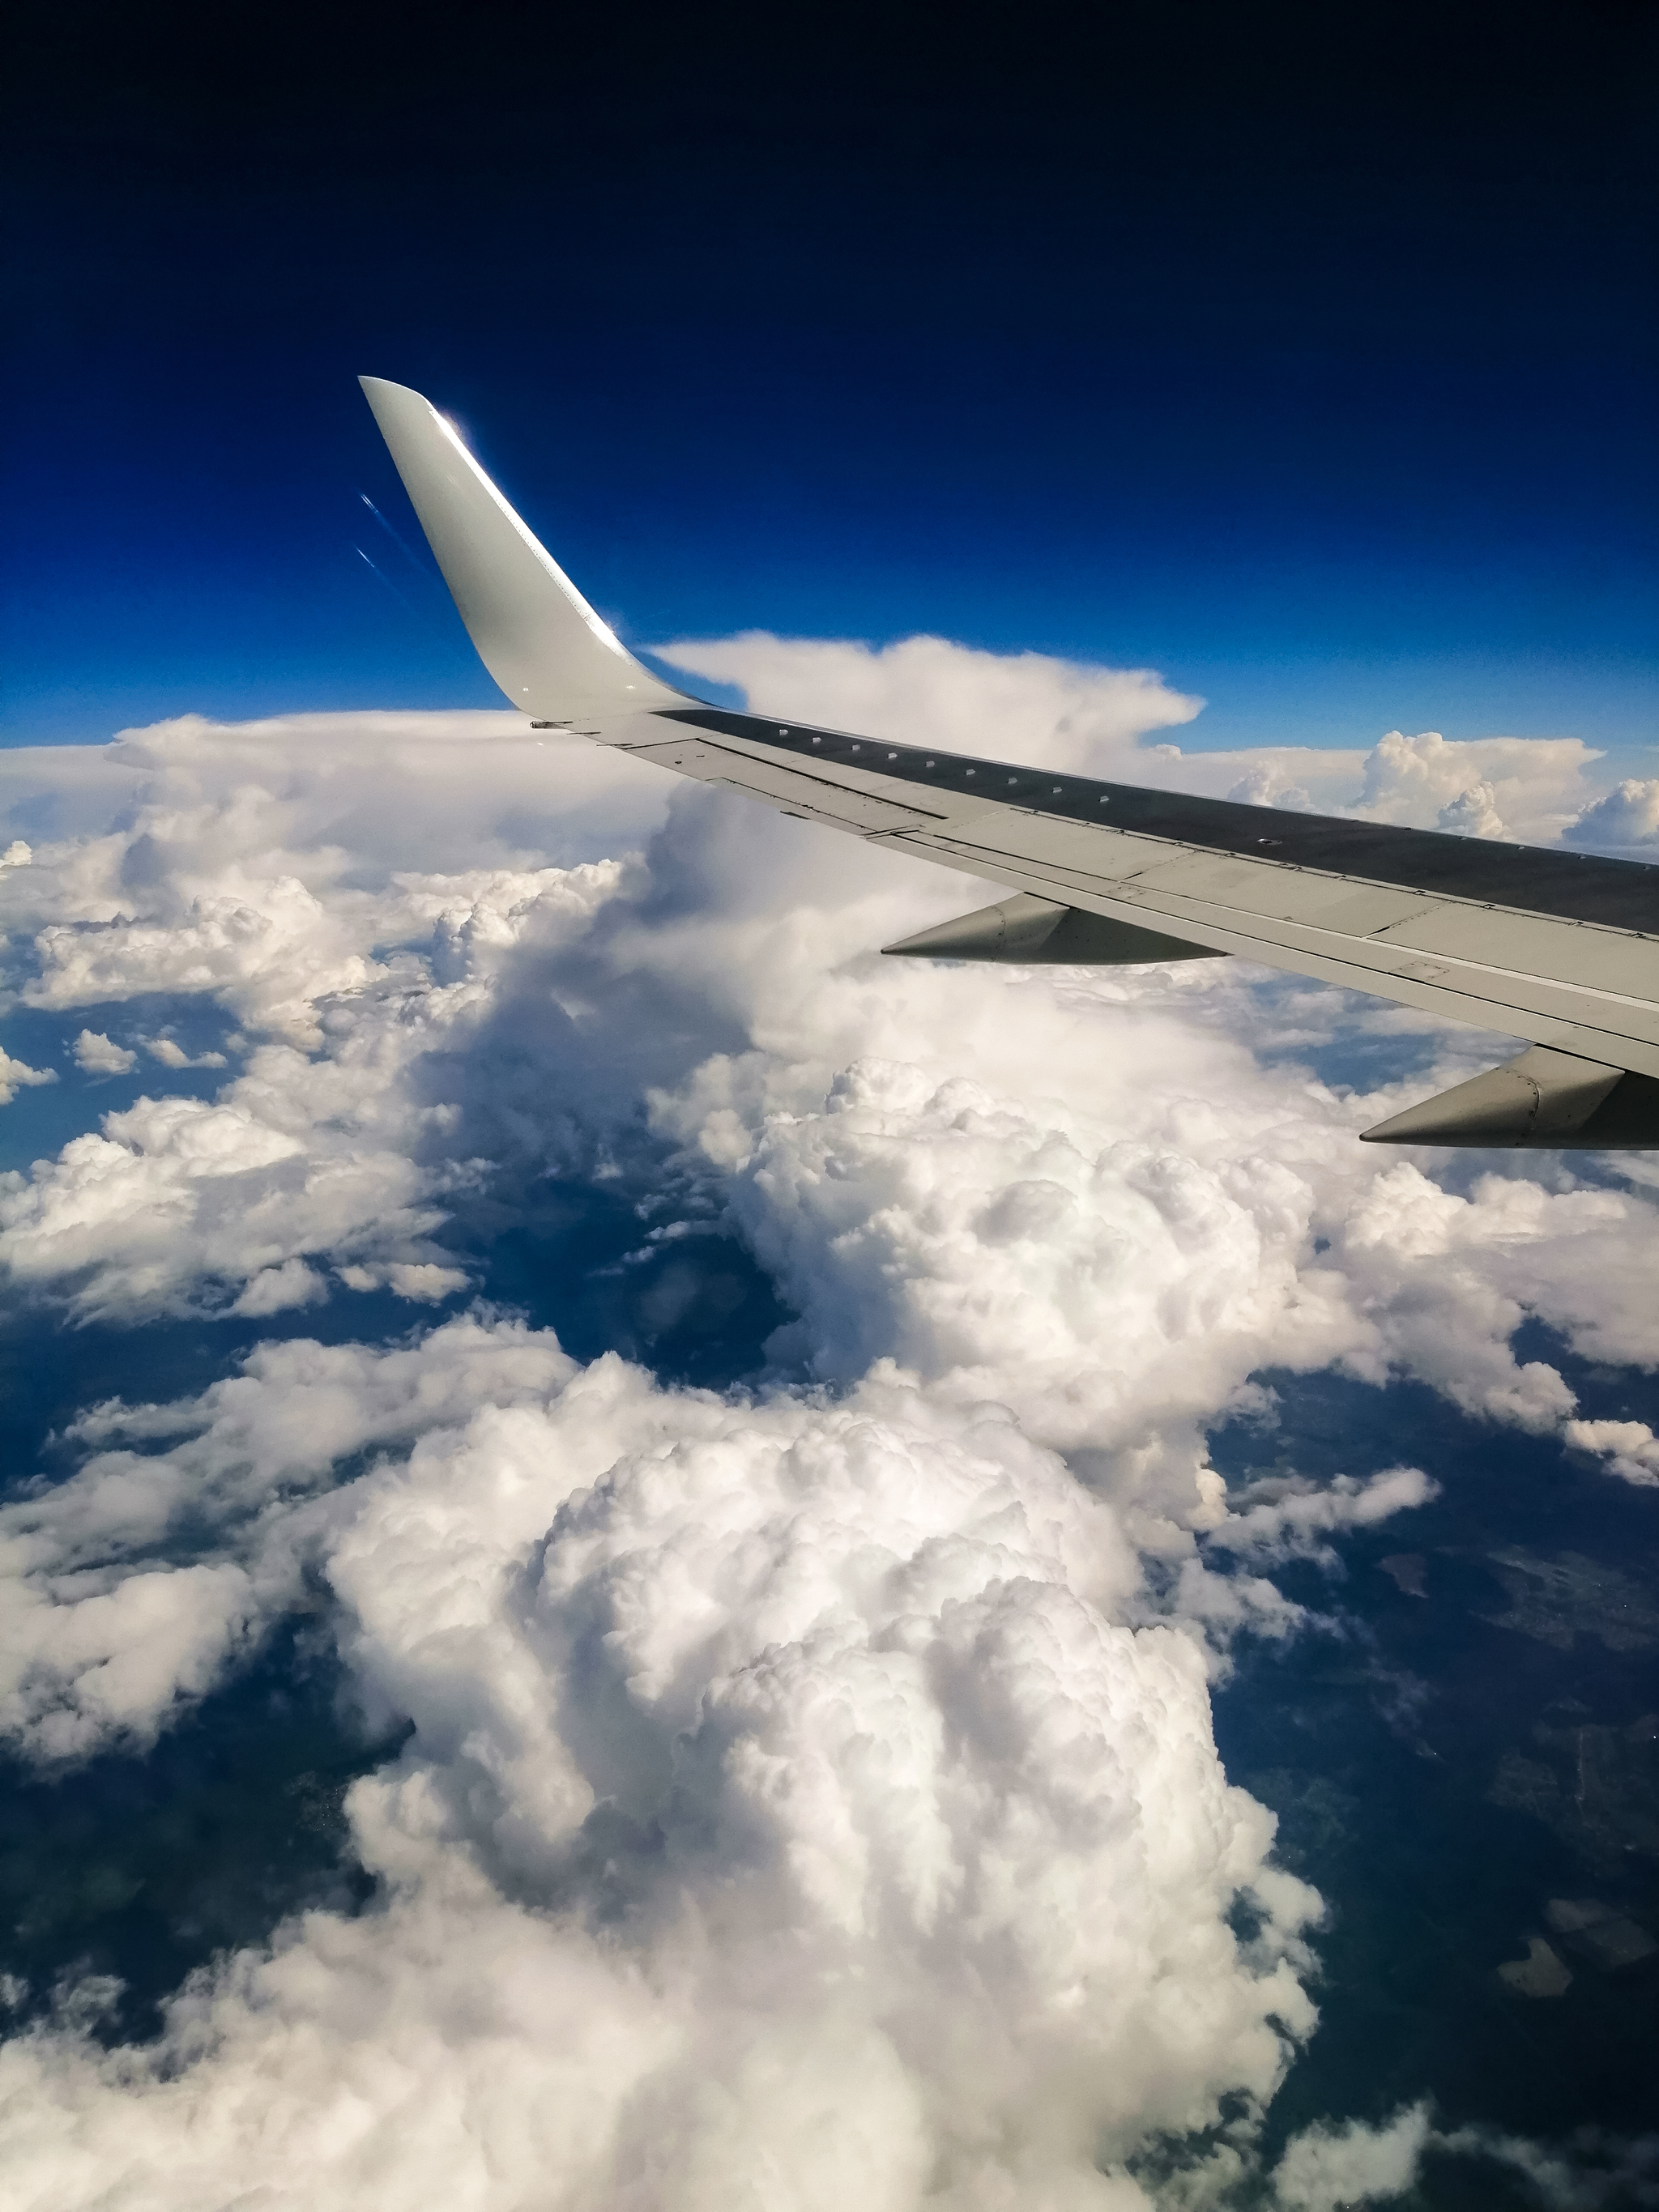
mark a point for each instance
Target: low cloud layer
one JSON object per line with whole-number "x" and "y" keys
{"x": 1626, "y": 820}
{"x": 810, "y": 1794}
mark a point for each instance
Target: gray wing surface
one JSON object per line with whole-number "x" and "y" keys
{"x": 1560, "y": 949}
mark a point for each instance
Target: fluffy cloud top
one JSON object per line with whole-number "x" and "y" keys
{"x": 793, "y": 1747}
{"x": 1630, "y": 1447}
{"x": 97, "y": 1054}
{"x": 812, "y": 1794}
{"x": 1625, "y": 819}
{"x": 16, "y": 1075}
{"x": 927, "y": 691}
{"x": 1330, "y": 2169}
{"x": 171, "y": 1053}
{"x": 1521, "y": 787}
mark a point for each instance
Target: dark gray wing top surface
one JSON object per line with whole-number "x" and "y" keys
{"x": 1531, "y": 879}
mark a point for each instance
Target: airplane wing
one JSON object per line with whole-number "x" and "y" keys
{"x": 1556, "y": 947}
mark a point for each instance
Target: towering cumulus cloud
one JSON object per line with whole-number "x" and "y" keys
{"x": 806, "y": 1793}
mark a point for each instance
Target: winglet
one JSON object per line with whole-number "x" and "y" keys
{"x": 535, "y": 633}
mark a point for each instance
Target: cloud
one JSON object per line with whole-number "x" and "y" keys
{"x": 87, "y": 1661}
{"x": 1630, "y": 1447}
{"x": 1284, "y": 1518}
{"x": 1521, "y": 787}
{"x": 1530, "y": 790}
{"x": 1472, "y": 814}
{"x": 811, "y": 1791}
{"x": 278, "y": 1290}
{"x": 95, "y": 1054}
{"x": 757, "y": 1745}
{"x": 1058, "y": 713}
{"x": 173, "y": 1055}
{"x": 15, "y": 1075}
{"x": 1109, "y": 1255}
{"x": 102, "y": 1637}
{"x": 179, "y": 1204}
{"x": 1106, "y": 1226}
{"x": 424, "y": 1283}
{"x": 228, "y": 878}
{"x": 1571, "y": 1256}
{"x": 1595, "y": 2175}
{"x": 1328, "y": 2169}
{"x": 1625, "y": 819}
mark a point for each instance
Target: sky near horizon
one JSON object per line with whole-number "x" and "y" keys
{"x": 1304, "y": 360}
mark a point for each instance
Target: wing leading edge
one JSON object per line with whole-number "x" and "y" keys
{"x": 1557, "y": 948}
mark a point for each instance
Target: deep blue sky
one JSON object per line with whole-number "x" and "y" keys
{"x": 1303, "y": 353}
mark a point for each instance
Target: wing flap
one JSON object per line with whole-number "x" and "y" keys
{"x": 1575, "y": 1016}
{"x": 1581, "y": 953}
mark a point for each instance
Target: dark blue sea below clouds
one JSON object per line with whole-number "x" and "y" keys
{"x": 1471, "y": 1748}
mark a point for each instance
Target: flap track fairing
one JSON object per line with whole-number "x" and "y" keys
{"x": 1550, "y": 1100}
{"x": 1029, "y": 933}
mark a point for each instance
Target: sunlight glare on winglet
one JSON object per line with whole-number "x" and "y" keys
{"x": 535, "y": 633}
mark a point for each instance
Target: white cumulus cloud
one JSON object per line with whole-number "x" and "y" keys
{"x": 928, "y": 691}
{"x": 98, "y": 1054}
{"x": 812, "y": 1797}
{"x": 1630, "y": 1447}
{"x": 172, "y": 1055}
{"x": 16, "y": 1075}
{"x": 1331, "y": 2169}
{"x": 793, "y": 1748}
{"x": 1625, "y": 818}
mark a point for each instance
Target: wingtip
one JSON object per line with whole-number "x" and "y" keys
{"x": 370, "y": 384}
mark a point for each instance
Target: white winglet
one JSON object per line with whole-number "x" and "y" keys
{"x": 535, "y": 633}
